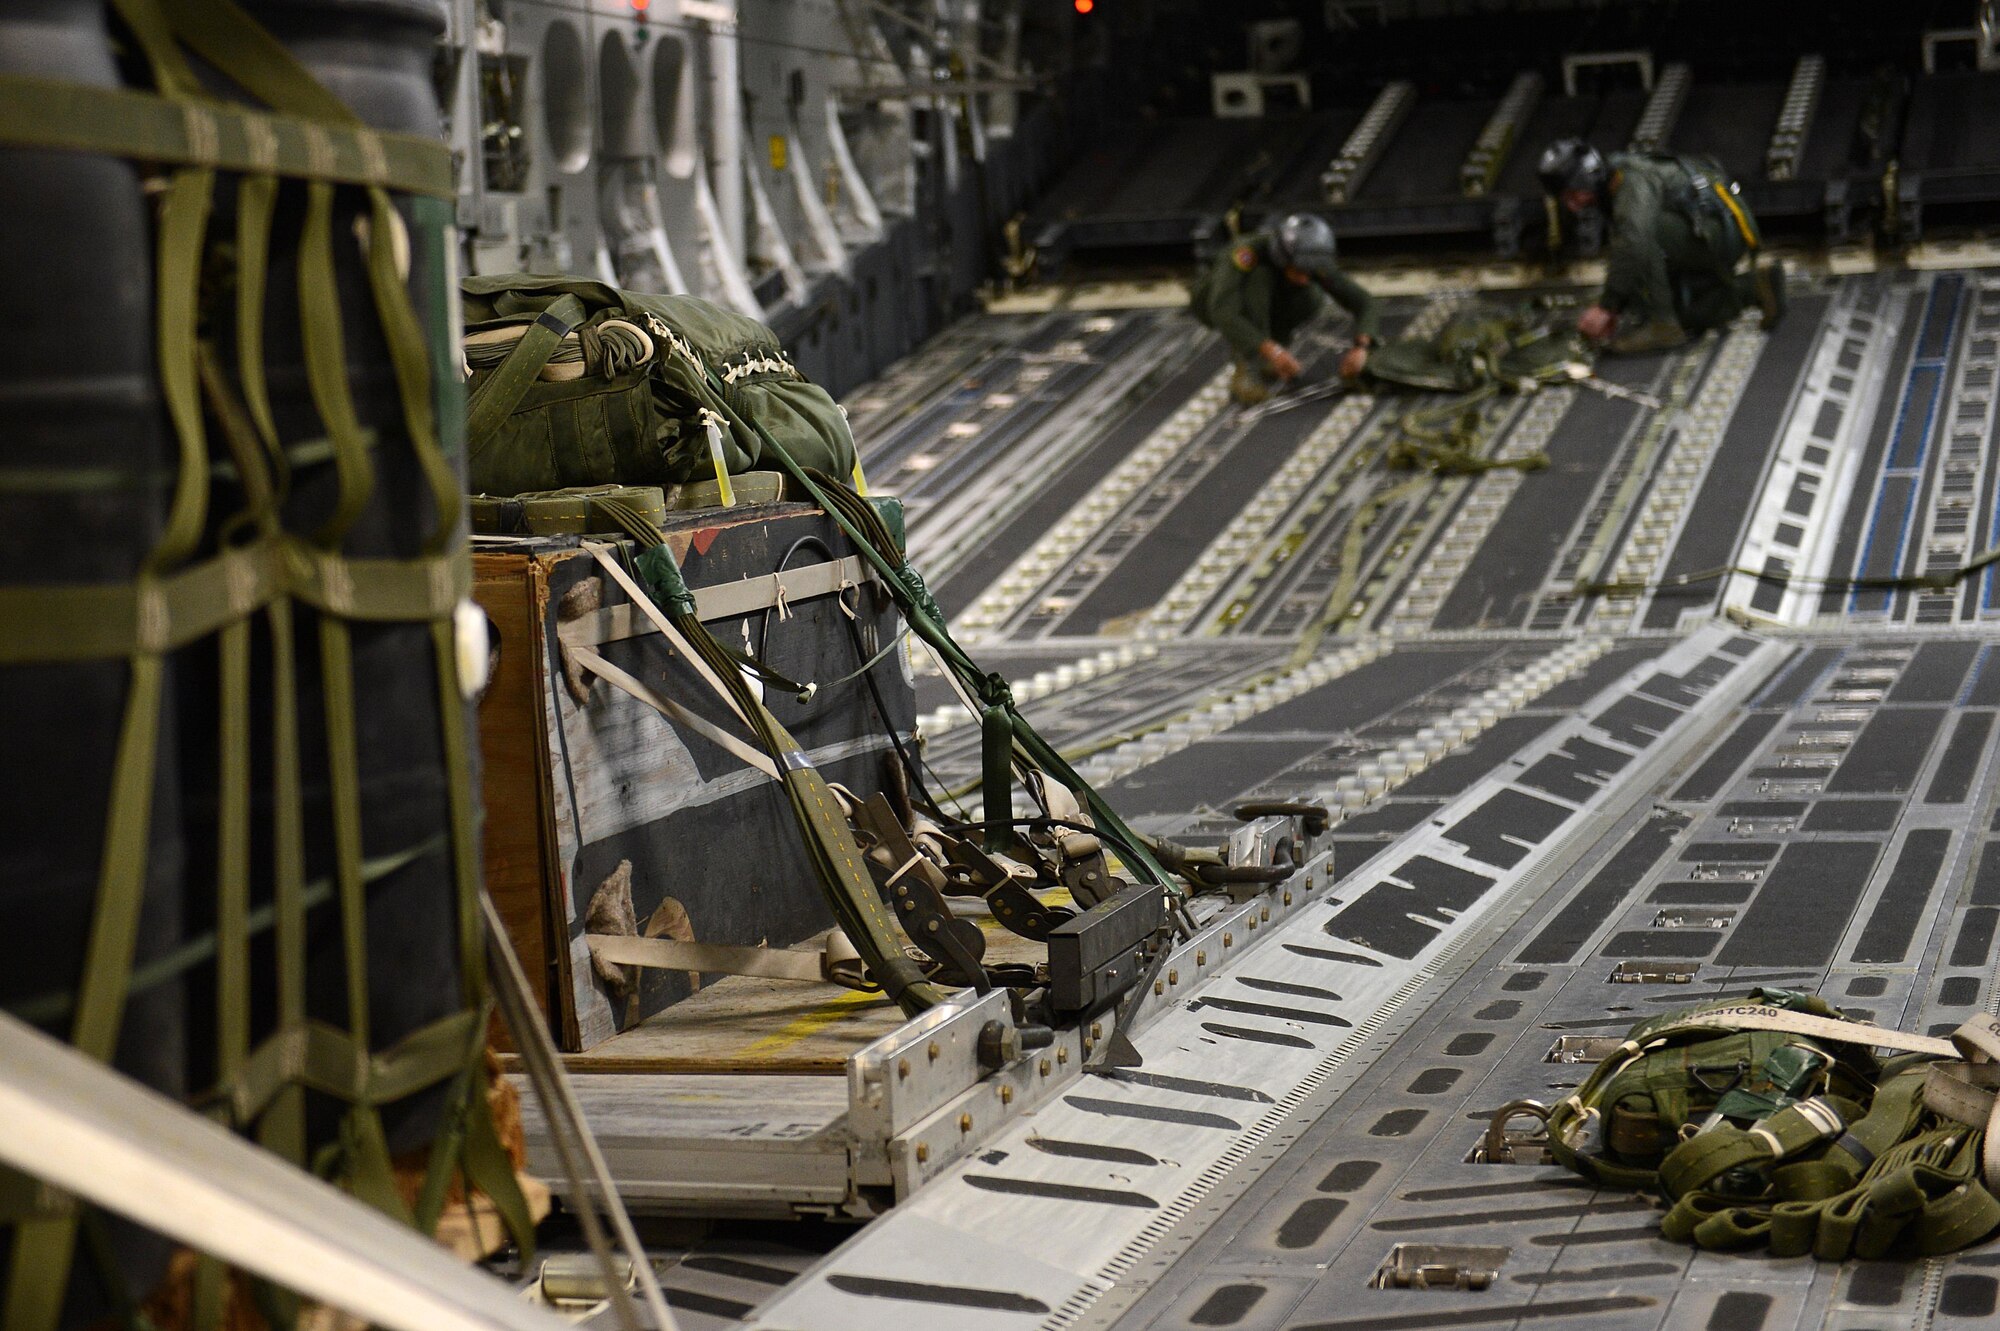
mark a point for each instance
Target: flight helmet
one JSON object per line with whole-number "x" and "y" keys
{"x": 1572, "y": 164}
{"x": 1303, "y": 241}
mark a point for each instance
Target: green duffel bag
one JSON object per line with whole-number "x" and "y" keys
{"x": 577, "y": 383}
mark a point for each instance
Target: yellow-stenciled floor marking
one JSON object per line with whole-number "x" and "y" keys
{"x": 840, "y": 1008}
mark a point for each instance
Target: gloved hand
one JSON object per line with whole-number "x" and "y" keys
{"x": 1282, "y": 362}
{"x": 1597, "y": 323}
{"x": 1355, "y": 361}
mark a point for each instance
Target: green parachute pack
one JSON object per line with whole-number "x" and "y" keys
{"x": 1478, "y": 353}
{"x": 577, "y": 383}
{"x": 1769, "y": 1122}
{"x": 1518, "y": 347}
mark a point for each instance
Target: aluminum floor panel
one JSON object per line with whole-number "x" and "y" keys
{"x": 1895, "y": 930}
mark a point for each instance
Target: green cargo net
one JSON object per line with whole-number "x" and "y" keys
{"x": 186, "y": 593}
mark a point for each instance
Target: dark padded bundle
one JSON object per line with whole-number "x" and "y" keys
{"x": 577, "y": 383}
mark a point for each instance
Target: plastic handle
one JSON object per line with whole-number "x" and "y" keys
{"x": 720, "y": 463}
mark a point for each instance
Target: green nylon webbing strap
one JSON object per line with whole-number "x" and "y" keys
{"x": 343, "y": 760}
{"x": 855, "y": 518}
{"x": 256, "y": 204}
{"x": 1696, "y": 1163}
{"x": 118, "y": 122}
{"x": 829, "y": 842}
{"x": 321, "y": 1057}
{"x": 502, "y": 389}
{"x": 326, "y": 365}
{"x": 83, "y": 622}
{"x": 221, "y": 33}
{"x": 657, "y": 569}
{"x": 410, "y": 360}
{"x": 447, "y": 1148}
{"x": 232, "y": 909}
{"x": 43, "y": 1248}
{"x": 148, "y": 23}
{"x": 434, "y": 260}
{"x": 24, "y": 1198}
{"x": 1348, "y": 583}
{"x": 859, "y": 901}
{"x": 996, "y": 775}
{"x": 183, "y": 230}
{"x": 283, "y": 1128}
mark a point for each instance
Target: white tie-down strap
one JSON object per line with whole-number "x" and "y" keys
{"x": 1839, "y": 1030}
{"x": 639, "y": 691}
{"x": 1965, "y": 1092}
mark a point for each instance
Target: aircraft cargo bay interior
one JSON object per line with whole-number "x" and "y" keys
{"x": 1003, "y": 665}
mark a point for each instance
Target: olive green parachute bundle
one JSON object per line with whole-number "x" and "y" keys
{"x": 1517, "y": 347}
{"x": 1769, "y": 1122}
{"x": 1477, "y": 354}
{"x": 577, "y": 383}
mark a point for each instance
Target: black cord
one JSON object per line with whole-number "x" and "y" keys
{"x": 913, "y": 766}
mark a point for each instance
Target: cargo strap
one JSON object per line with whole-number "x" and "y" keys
{"x": 145, "y": 127}
{"x": 829, "y": 841}
{"x": 310, "y": 135}
{"x": 571, "y": 512}
{"x": 835, "y": 961}
{"x": 1759, "y": 1017}
{"x": 1007, "y": 732}
{"x": 501, "y": 391}
{"x": 1914, "y": 1174}
{"x": 642, "y": 692}
{"x": 163, "y": 614}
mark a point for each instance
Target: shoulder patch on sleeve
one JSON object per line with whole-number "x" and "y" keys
{"x": 1246, "y": 257}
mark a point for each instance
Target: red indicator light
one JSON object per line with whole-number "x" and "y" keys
{"x": 640, "y": 7}
{"x": 1085, "y": 6}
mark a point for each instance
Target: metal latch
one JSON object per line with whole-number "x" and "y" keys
{"x": 577, "y": 1279}
{"x": 1761, "y": 826}
{"x": 1708, "y": 872}
{"x": 1439, "y": 1266}
{"x": 1582, "y": 1049}
{"x": 1503, "y": 1147}
{"x": 1653, "y": 972}
{"x": 1694, "y": 919}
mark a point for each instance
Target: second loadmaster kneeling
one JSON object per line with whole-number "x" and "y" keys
{"x": 1260, "y": 290}
{"x": 1679, "y": 234}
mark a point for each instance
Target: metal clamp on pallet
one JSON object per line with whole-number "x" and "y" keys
{"x": 1098, "y": 955}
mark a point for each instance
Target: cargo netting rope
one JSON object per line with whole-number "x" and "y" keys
{"x": 182, "y": 595}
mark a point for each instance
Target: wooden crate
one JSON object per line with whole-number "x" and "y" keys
{"x": 581, "y": 779}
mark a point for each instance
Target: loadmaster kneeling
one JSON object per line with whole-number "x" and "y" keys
{"x": 1259, "y": 291}
{"x": 1684, "y": 251}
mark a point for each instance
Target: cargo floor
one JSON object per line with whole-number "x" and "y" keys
{"x": 1753, "y": 778}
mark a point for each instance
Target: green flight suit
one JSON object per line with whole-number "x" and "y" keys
{"x": 1673, "y": 254}
{"x": 1245, "y": 296}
